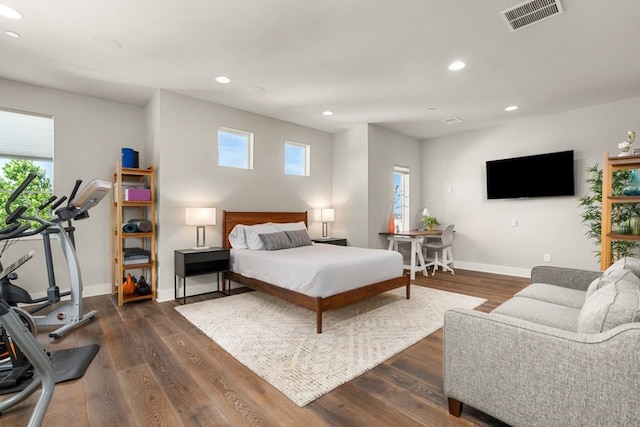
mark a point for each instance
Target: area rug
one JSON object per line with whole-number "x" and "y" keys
{"x": 278, "y": 341}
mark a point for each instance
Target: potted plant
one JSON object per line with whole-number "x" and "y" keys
{"x": 429, "y": 222}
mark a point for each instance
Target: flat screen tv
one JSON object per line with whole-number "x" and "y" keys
{"x": 542, "y": 175}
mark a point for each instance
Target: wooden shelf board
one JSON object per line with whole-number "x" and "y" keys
{"x": 618, "y": 236}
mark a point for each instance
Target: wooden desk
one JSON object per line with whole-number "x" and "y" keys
{"x": 415, "y": 237}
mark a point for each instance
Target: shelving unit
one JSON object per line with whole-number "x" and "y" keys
{"x": 609, "y": 166}
{"x": 121, "y": 212}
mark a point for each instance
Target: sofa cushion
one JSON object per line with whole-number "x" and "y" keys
{"x": 554, "y": 294}
{"x": 611, "y": 277}
{"x": 611, "y": 306}
{"x": 541, "y": 312}
{"x": 626, "y": 263}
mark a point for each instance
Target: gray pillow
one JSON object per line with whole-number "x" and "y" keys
{"x": 275, "y": 241}
{"x": 610, "y": 277}
{"x": 627, "y": 263}
{"x": 615, "y": 304}
{"x": 299, "y": 237}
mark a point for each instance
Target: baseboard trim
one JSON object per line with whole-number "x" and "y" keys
{"x": 495, "y": 269}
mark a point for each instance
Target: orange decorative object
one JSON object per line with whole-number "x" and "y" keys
{"x": 392, "y": 224}
{"x": 129, "y": 287}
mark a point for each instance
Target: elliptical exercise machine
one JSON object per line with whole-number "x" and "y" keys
{"x": 25, "y": 352}
{"x": 69, "y": 315}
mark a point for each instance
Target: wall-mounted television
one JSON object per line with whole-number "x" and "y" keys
{"x": 542, "y": 175}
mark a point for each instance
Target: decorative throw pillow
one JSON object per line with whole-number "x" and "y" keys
{"x": 627, "y": 263}
{"x": 276, "y": 241}
{"x": 608, "y": 307}
{"x": 288, "y": 226}
{"x": 253, "y": 234}
{"x": 611, "y": 277}
{"x": 299, "y": 238}
{"x": 237, "y": 237}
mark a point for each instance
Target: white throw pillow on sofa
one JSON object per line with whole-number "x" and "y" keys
{"x": 626, "y": 263}
{"x": 613, "y": 305}
{"x": 610, "y": 277}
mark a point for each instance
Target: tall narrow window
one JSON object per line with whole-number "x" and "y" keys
{"x": 401, "y": 197}
{"x": 297, "y": 159}
{"x": 235, "y": 148}
{"x": 26, "y": 146}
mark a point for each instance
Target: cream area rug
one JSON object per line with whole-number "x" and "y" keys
{"x": 277, "y": 340}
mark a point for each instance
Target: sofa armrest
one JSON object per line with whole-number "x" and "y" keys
{"x": 566, "y": 277}
{"x": 528, "y": 374}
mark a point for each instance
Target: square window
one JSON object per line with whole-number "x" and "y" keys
{"x": 296, "y": 159}
{"x": 26, "y": 146}
{"x": 235, "y": 148}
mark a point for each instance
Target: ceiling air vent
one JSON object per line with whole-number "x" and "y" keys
{"x": 451, "y": 121}
{"x": 529, "y": 12}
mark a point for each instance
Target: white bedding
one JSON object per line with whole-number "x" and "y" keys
{"x": 320, "y": 270}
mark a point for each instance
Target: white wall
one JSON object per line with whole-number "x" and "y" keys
{"x": 386, "y": 150}
{"x": 189, "y": 175}
{"x": 484, "y": 237}
{"x": 350, "y": 185}
{"x": 88, "y": 136}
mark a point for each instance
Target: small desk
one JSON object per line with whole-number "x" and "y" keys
{"x": 190, "y": 262}
{"x": 415, "y": 237}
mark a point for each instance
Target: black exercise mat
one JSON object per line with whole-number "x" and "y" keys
{"x": 69, "y": 364}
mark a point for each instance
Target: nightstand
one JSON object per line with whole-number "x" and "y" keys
{"x": 191, "y": 262}
{"x": 338, "y": 241}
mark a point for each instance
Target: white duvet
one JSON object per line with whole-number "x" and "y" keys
{"x": 320, "y": 270}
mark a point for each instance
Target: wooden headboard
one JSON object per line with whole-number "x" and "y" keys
{"x": 231, "y": 219}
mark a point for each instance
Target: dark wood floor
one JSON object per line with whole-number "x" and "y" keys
{"x": 154, "y": 368}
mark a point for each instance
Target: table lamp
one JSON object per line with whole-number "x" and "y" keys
{"x": 200, "y": 217}
{"x": 326, "y": 215}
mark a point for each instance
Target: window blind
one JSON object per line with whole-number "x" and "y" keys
{"x": 26, "y": 135}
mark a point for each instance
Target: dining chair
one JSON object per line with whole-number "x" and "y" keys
{"x": 443, "y": 255}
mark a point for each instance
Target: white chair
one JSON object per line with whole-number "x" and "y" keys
{"x": 442, "y": 248}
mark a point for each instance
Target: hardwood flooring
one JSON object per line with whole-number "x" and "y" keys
{"x": 155, "y": 369}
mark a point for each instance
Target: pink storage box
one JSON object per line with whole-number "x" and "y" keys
{"x": 137, "y": 194}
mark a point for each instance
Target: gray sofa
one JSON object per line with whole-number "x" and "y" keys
{"x": 565, "y": 351}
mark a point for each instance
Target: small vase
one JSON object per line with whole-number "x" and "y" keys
{"x": 634, "y": 224}
{"x": 632, "y": 186}
{"x": 392, "y": 224}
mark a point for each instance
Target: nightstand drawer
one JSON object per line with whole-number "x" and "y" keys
{"x": 338, "y": 241}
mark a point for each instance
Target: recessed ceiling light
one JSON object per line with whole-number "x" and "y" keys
{"x": 458, "y": 65}
{"x": 12, "y": 34}
{"x": 9, "y": 12}
{"x": 223, "y": 79}
{"x": 431, "y": 109}
{"x": 511, "y": 108}
{"x": 327, "y": 113}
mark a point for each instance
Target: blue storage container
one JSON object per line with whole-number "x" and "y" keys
{"x": 128, "y": 158}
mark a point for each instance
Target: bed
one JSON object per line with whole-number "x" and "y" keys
{"x": 315, "y": 298}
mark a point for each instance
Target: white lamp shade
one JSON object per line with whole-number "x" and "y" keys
{"x": 201, "y": 216}
{"x": 327, "y": 215}
{"x": 425, "y": 212}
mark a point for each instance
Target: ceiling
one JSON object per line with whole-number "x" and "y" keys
{"x": 368, "y": 61}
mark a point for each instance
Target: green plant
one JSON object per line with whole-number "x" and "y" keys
{"x": 38, "y": 191}
{"x": 621, "y": 213}
{"x": 429, "y": 221}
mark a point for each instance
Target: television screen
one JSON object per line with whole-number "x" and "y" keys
{"x": 542, "y": 175}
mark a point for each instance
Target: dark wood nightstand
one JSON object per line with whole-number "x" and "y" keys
{"x": 338, "y": 241}
{"x": 191, "y": 262}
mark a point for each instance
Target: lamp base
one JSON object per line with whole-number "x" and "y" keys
{"x": 200, "y": 248}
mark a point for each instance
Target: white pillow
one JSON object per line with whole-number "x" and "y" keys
{"x": 238, "y": 238}
{"x": 290, "y": 226}
{"x": 253, "y": 234}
